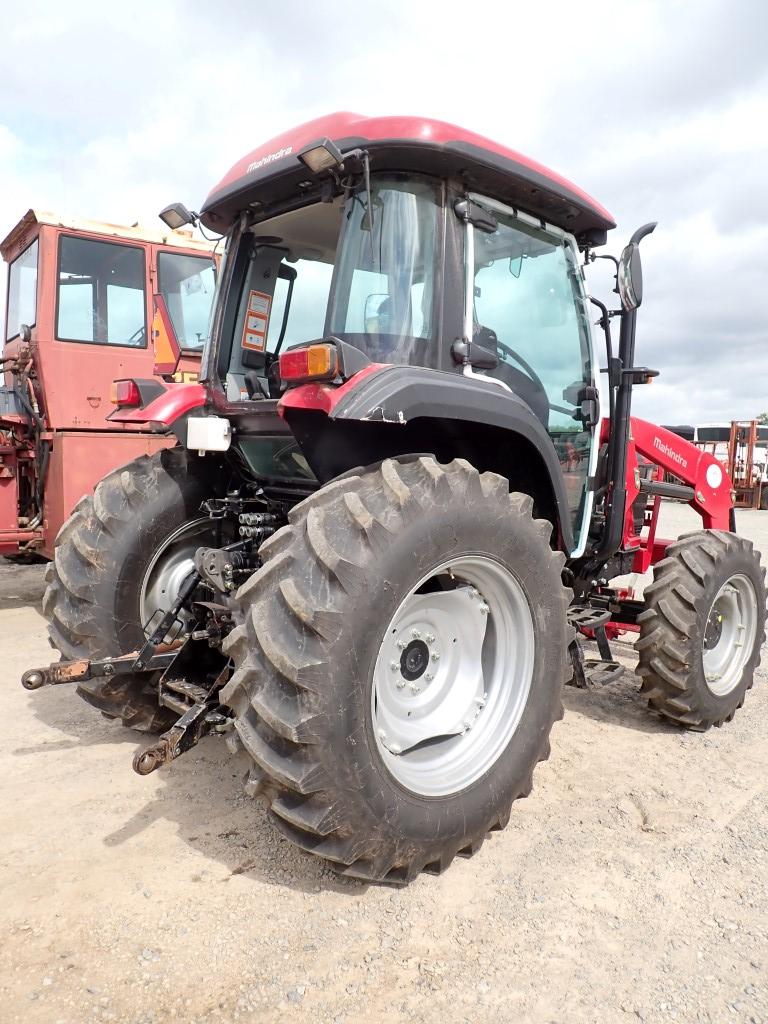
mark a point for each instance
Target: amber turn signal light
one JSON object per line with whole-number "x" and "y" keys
{"x": 314, "y": 362}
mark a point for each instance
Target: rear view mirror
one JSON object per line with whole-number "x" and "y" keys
{"x": 630, "y": 277}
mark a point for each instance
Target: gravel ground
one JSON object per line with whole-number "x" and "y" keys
{"x": 631, "y": 885}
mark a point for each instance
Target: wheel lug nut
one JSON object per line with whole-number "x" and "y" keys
{"x": 414, "y": 688}
{"x": 429, "y": 677}
{"x": 435, "y": 656}
{"x": 394, "y": 666}
{"x": 400, "y": 683}
{"x": 416, "y": 634}
{"x": 402, "y": 644}
{"x": 429, "y": 638}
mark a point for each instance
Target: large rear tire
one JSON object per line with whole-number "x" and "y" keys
{"x": 701, "y": 632}
{"x": 121, "y": 555}
{"x": 400, "y": 665}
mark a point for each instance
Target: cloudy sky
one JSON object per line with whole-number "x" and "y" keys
{"x": 659, "y": 109}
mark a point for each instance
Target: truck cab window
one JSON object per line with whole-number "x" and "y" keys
{"x": 22, "y": 292}
{"x": 187, "y": 284}
{"x": 101, "y": 297}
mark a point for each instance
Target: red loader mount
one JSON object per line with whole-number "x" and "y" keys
{"x": 79, "y": 314}
{"x": 400, "y": 498}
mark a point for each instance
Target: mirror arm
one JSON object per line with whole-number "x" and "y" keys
{"x": 615, "y": 261}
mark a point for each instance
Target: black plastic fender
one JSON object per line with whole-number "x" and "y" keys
{"x": 399, "y": 395}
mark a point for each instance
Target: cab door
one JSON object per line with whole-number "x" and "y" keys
{"x": 100, "y": 327}
{"x": 529, "y": 294}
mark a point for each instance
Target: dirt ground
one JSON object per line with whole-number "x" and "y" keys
{"x": 631, "y": 885}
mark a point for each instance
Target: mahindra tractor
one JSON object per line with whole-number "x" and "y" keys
{"x": 400, "y": 500}
{"x": 79, "y": 313}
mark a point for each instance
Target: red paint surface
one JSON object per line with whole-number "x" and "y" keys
{"x": 324, "y": 397}
{"x": 178, "y": 400}
{"x": 375, "y": 129}
{"x": 669, "y": 454}
{"x": 72, "y": 383}
{"x": 79, "y": 460}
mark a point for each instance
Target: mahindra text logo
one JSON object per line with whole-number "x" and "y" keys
{"x": 270, "y": 158}
{"x": 670, "y": 452}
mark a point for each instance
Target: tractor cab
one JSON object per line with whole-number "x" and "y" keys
{"x": 80, "y": 301}
{"x": 411, "y": 243}
{"x": 79, "y": 314}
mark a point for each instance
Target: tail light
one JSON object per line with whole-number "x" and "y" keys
{"x": 125, "y": 393}
{"x": 314, "y": 362}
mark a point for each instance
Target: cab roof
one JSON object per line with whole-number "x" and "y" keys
{"x": 25, "y": 228}
{"x": 272, "y": 172}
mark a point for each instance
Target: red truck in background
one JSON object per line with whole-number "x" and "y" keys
{"x": 79, "y": 314}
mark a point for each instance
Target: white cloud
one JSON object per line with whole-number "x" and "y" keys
{"x": 659, "y": 109}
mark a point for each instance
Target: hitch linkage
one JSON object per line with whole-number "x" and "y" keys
{"x": 183, "y": 735}
{"x": 79, "y": 671}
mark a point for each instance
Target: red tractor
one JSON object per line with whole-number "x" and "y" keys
{"x": 78, "y": 315}
{"x": 399, "y": 492}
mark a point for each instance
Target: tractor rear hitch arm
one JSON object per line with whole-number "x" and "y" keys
{"x": 79, "y": 671}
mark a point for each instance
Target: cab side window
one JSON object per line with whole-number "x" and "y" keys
{"x": 101, "y": 296}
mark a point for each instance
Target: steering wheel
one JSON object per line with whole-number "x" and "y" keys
{"x": 138, "y": 337}
{"x": 524, "y": 363}
{"x": 574, "y": 413}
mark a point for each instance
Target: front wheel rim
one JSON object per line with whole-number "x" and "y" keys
{"x": 729, "y": 635}
{"x": 453, "y": 676}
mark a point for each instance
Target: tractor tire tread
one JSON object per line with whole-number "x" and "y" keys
{"x": 667, "y": 647}
{"x": 276, "y": 687}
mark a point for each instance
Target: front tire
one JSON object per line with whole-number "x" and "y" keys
{"x": 701, "y": 632}
{"x": 387, "y": 559}
{"x": 106, "y": 578}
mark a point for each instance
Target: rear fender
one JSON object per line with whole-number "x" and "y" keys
{"x": 397, "y": 410}
{"x": 176, "y": 400}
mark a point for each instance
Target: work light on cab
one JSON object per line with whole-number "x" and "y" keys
{"x": 321, "y": 156}
{"x": 313, "y": 362}
{"x": 125, "y": 393}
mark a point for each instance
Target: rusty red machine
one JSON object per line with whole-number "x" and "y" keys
{"x": 79, "y": 314}
{"x": 403, "y": 494}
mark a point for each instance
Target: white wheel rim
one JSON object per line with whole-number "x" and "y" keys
{"x": 453, "y": 676}
{"x": 730, "y": 634}
{"x": 170, "y": 565}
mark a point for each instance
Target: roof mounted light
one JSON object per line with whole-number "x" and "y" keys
{"x": 177, "y": 216}
{"x": 321, "y": 156}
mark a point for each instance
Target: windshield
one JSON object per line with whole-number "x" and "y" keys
{"x": 22, "y": 292}
{"x": 187, "y": 284}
